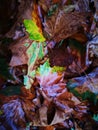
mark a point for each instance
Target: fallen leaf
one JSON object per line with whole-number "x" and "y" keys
{"x": 67, "y": 24}
{"x": 71, "y": 55}
{"x": 14, "y": 114}
{"x": 18, "y": 49}
{"x": 29, "y": 109}
{"x": 27, "y": 93}
{"x": 35, "y": 52}
{"x": 47, "y": 128}
{"x": 33, "y": 30}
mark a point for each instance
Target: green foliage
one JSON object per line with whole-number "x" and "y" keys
{"x": 87, "y": 95}
{"x": 44, "y": 69}
{"x": 33, "y": 30}
{"x": 58, "y": 69}
{"x": 95, "y": 117}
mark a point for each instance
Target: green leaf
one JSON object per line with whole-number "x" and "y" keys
{"x": 34, "y": 53}
{"x": 95, "y": 117}
{"x": 85, "y": 96}
{"x": 44, "y": 69}
{"x": 33, "y": 31}
{"x": 58, "y": 69}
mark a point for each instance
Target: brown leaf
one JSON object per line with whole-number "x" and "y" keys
{"x": 43, "y": 115}
{"x": 18, "y": 49}
{"x": 62, "y": 25}
{"x": 47, "y": 128}
{"x": 64, "y": 106}
{"x": 65, "y": 96}
{"x": 6, "y": 99}
{"x": 29, "y": 109}
{"x": 35, "y": 16}
{"x": 21, "y": 14}
{"x": 88, "y": 82}
{"x": 27, "y": 93}
{"x": 81, "y": 37}
{"x": 70, "y": 54}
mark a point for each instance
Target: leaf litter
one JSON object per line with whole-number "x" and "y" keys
{"x": 56, "y": 65}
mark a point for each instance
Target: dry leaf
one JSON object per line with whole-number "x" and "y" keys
{"x": 27, "y": 93}
{"x": 29, "y": 109}
{"x": 70, "y": 54}
{"x": 88, "y": 82}
{"x": 47, "y": 128}
{"x": 14, "y": 114}
{"x": 62, "y": 25}
{"x": 18, "y": 49}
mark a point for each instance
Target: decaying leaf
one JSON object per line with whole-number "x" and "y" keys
{"x": 62, "y": 25}
{"x": 54, "y": 92}
{"x": 85, "y": 87}
{"x": 88, "y": 82}
{"x": 14, "y": 114}
{"x": 34, "y": 53}
{"x": 19, "y": 56}
{"x": 69, "y": 54}
{"x": 50, "y": 99}
{"x": 47, "y": 128}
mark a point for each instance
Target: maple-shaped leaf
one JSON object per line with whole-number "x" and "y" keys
{"x": 50, "y": 81}
{"x": 33, "y": 30}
